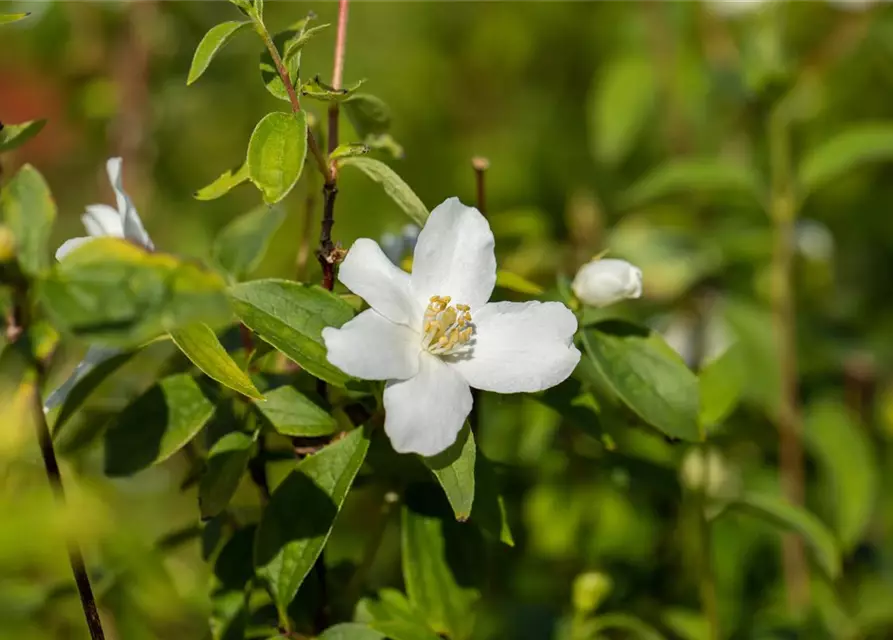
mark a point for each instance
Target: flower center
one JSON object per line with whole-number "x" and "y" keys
{"x": 446, "y": 328}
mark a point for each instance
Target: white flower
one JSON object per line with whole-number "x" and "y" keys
{"x": 101, "y": 220}
{"x": 602, "y": 282}
{"x": 433, "y": 334}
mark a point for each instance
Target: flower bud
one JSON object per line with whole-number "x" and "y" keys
{"x": 590, "y": 590}
{"x": 600, "y": 283}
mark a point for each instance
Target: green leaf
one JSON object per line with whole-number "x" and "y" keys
{"x": 227, "y": 462}
{"x": 111, "y": 291}
{"x": 624, "y": 622}
{"x": 290, "y": 44}
{"x": 516, "y": 283}
{"x": 647, "y": 376}
{"x": 297, "y": 521}
{"x": 222, "y": 185}
{"x": 291, "y": 413}
{"x": 393, "y": 185}
{"x": 199, "y": 343}
{"x": 241, "y": 246}
{"x": 351, "y": 631}
{"x": 9, "y": 18}
{"x": 436, "y": 582}
{"x": 845, "y": 457}
{"x": 29, "y": 209}
{"x": 84, "y": 387}
{"x": 349, "y": 150}
{"x": 156, "y": 425}
{"x": 790, "y": 516}
{"x": 454, "y": 470}
{"x": 296, "y": 45}
{"x": 210, "y": 45}
{"x": 489, "y": 506}
{"x": 691, "y": 176}
{"x": 848, "y": 150}
{"x": 15, "y": 135}
{"x": 721, "y": 382}
{"x": 620, "y": 105}
{"x": 319, "y": 90}
{"x": 291, "y": 316}
{"x": 368, "y": 115}
{"x": 403, "y": 630}
{"x": 276, "y": 154}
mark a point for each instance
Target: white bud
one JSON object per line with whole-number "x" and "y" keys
{"x": 602, "y": 282}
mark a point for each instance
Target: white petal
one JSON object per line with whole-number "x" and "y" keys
{"x": 70, "y": 245}
{"x": 94, "y": 356}
{"x": 372, "y": 347}
{"x": 454, "y": 256}
{"x": 519, "y": 347}
{"x": 103, "y": 220}
{"x": 603, "y": 282}
{"x": 133, "y": 226}
{"x": 369, "y": 273}
{"x": 424, "y": 414}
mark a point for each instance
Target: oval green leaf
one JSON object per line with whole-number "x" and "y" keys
{"x": 222, "y": 185}
{"x": 647, "y": 376}
{"x": 15, "y": 135}
{"x": 454, "y": 470}
{"x": 227, "y": 462}
{"x": 276, "y": 154}
{"x": 291, "y": 316}
{"x": 393, "y": 185}
{"x": 156, "y": 425}
{"x": 241, "y": 246}
{"x": 296, "y": 523}
{"x": 210, "y": 45}
{"x": 369, "y": 115}
{"x": 857, "y": 146}
{"x": 291, "y": 413}
{"x": 29, "y": 209}
{"x": 9, "y": 18}
{"x": 199, "y": 343}
{"x": 779, "y": 512}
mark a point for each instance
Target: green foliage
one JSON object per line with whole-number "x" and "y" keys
{"x": 199, "y": 343}
{"x": 210, "y": 45}
{"x": 289, "y": 44}
{"x": 241, "y": 246}
{"x": 623, "y": 622}
{"x": 368, "y": 115}
{"x": 86, "y": 386}
{"x": 349, "y": 150}
{"x": 156, "y": 425}
{"x": 455, "y": 471}
{"x": 351, "y": 631}
{"x": 291, "y": 316}
{"x": 116, "y": 293}
{"x": 647, "y": 376}
{"x": 848, "y": 150}
{"x": 291, "y": 413}
{"x": 8, "y": 18}
{"x": 15, "y": 135}
{"x": 404, "y": 630}
{"x": 227, "y": 462}
{"x": 276, "y": 154}
{"x": 29, "y": 210}
{"x": 289, "y": 540}
{"x": 222, "y": 185}
{"x": 518, "y": 284}
{"x": 394, "y": 186}
{"x": 319, "y": 90}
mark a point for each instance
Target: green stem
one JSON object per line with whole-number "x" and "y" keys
{"x": 705, "y": 561}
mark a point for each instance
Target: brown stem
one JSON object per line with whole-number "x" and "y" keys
{"x": 327, "y": 254}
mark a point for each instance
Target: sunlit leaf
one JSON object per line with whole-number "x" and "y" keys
{"x": 276, "y": 154}
{"x": 516, "y": 283}
{"x": 349, "y": 150}
{"x": 15, "y": 135}
{"x": 227, "y": 462}
{"x": 9, "y": 18}
{"x": 319, "y": 90}
{"x": 291, "y": 316}
{"x": 454, "y": 470}
{"x": 859, "y": 145}
{"x": 693, "y": 176}
{"x": 297, "y": 521}
{"x": 291, "y": 413}
{"x": 210, "y": 44}
{"x": 647, "y": 376}
{"x": 29, "y": 210}
{"x": 222, "y": 185}
{"x": 199, "y": 343}
{"x": 241, "y": 245}
{"x": 112, "y": 291}
{"x": 393, "y": 185}
{"x": 289, "y": 44}
{"x": 790, "y": 516}
{"x": 156, "y": 425}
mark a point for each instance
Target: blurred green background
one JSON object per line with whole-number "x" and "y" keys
{"x": 575, "y": 105}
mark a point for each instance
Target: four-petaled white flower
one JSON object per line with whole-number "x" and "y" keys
{"x": 101, "y": 220}
{"x": 603, "y": 282}
{"x": 433, "y": 334}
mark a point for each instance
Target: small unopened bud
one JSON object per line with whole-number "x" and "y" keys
{"x": 590, "y": 591}
{"x": 600, "y": 283}
{"x": 7, "y": 245}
